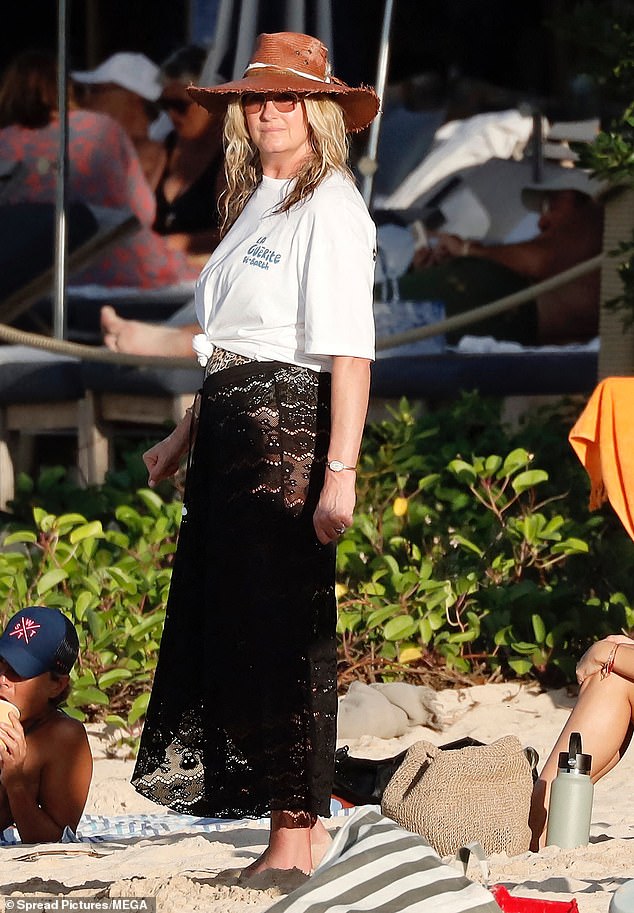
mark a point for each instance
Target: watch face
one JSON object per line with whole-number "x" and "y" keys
{"x": 335, "y": 465}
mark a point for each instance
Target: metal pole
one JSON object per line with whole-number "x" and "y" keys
{"x": 220, "y": 43}
{"x": 295, "y": 16}
{"x": 368, "y": 164}
{"x": 538, "y": 148}
{"x": 247, "y": 30}
{"x": 324, "y": 28}
{"x": 61, "y": 228}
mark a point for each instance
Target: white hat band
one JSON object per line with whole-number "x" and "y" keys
{"x": 269, "y": 66}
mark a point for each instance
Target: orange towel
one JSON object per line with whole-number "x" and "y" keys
{"x": 603, "y": 439}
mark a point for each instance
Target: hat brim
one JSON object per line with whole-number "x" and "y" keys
{"x": 360, "y": 105}
{"x": 21, "y": 661}
{"x": 576, "y": 179}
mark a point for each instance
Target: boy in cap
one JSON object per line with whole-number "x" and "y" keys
{"x": 45, "y": 759}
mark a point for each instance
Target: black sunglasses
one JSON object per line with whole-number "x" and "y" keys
{"x": 180, "y": 105}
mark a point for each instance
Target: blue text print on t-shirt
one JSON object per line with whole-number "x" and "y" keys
{"x": 261, "y": 256}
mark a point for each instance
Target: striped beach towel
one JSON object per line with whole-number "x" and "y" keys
{"x": 376, "y": 866}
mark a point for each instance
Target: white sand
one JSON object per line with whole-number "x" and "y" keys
{"x": 200, "y": 872}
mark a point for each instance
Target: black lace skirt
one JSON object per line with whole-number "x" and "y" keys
{"x": 242, "y": 716}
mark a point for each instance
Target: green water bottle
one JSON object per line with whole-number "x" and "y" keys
{"x": 570, "y": 808}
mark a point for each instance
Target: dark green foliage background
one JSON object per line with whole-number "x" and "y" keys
{"x": 473, "y": 554}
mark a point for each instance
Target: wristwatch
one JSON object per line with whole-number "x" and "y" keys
{"x": 338, "y": 466}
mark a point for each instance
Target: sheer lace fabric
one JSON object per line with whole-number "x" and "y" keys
{"x": 242, "y": 716}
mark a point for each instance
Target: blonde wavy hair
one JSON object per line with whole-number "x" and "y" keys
{"x": 328, "y": 139}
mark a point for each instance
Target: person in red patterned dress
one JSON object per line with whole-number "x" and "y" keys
{"x": 104, "y": 171}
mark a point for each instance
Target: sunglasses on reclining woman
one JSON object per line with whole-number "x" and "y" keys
{"x": 284, "y": 102}
{"x": 179, "y": 105}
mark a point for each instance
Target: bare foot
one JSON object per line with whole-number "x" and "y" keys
{"x": 134, "y": 337}
{"x": 320, "y": 840}
{"x": 289, "y": 848}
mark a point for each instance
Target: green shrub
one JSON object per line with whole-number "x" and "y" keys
{"x": 113, "y": 582}
{"x": 472, "y": 554}
{"x": 480, "y": 561}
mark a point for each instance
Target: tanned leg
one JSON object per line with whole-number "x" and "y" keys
{"x": 320, "y": 840}
{"x": 603, "y": 715}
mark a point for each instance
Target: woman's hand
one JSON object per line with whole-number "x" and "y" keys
{"x": 163, "y": 460}
{"x": 12, "y": 752}
{"x": 622, "y": 639}
{"x": 594, "y": 659}
{"x": 333, "y": 514}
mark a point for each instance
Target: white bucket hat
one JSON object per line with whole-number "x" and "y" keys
{"x": 134, "y": 72}
{"x": 569, "y": 179}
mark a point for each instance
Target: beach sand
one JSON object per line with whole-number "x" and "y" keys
{"x": 200, "y": 871}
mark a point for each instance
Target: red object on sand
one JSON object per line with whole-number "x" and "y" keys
{"x": 510, "y": 904}
{"x": 344, "y": 802}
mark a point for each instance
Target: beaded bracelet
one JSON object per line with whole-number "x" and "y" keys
{"x": 608, "y": 665}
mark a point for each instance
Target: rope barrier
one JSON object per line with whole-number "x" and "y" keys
{"x": 101, "y": 354}
{"x": 91, "y": 353}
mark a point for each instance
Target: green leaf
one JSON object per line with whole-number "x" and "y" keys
{"x": 92, "y": 530}
{"x": 138, "y": 708}
{"x": 378, "y": 616}
{"x": 124, "y": 580}
{"x": 23, "y": 535}
{"x": 152, "y": 501}
{"x": 492, "y": 464}
{"x": 85, "y": 696}
{"x": 427, "y": 481}
{"x": 348, "y": 621}
{"x": 399, "y": 628}
{"x": 39, "y": 515}
{"x": 50, "y": 579}
{"x": 523, "y": 647}
{"x": 467, "y": 544}
{"x": 95, "y": 623}
{"x": 86, "y": 678}
{"x": 516, "y": 460}
{"x": 519, "y": 665}
{"x": 571, "y": 547}
{"x": 539, "y": 628}
{"x": 66, "y": 522}
{"x": 463, "y": 471}
{"x": 149, "y": 621}
{"x": 112, "y": 676}
{"x": 113, "y": 719}
{"x": 528, "y": 479}
{"x": 75, "y": 713}
{"x": 425, "y": 630}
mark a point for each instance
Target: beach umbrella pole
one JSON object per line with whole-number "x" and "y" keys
{"x": 368, "y": 163}
{"x": 61, "y": 228}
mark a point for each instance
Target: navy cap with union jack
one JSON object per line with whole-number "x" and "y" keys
{"x": 39, "y": 639}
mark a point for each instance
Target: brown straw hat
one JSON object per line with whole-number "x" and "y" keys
{"x": 291, "y": 62}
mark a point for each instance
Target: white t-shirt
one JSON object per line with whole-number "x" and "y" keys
{"x": 293, "y": 286}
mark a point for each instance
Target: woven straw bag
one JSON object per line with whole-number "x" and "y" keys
{"x": 453, "y": 798}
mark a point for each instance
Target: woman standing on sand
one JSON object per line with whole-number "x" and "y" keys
{"x": 242, "y": 718}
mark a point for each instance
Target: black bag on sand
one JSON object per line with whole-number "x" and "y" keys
{"x": 362, "y": 781}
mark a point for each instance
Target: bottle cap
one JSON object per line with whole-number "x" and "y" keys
{"x": 575, "y": 764}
